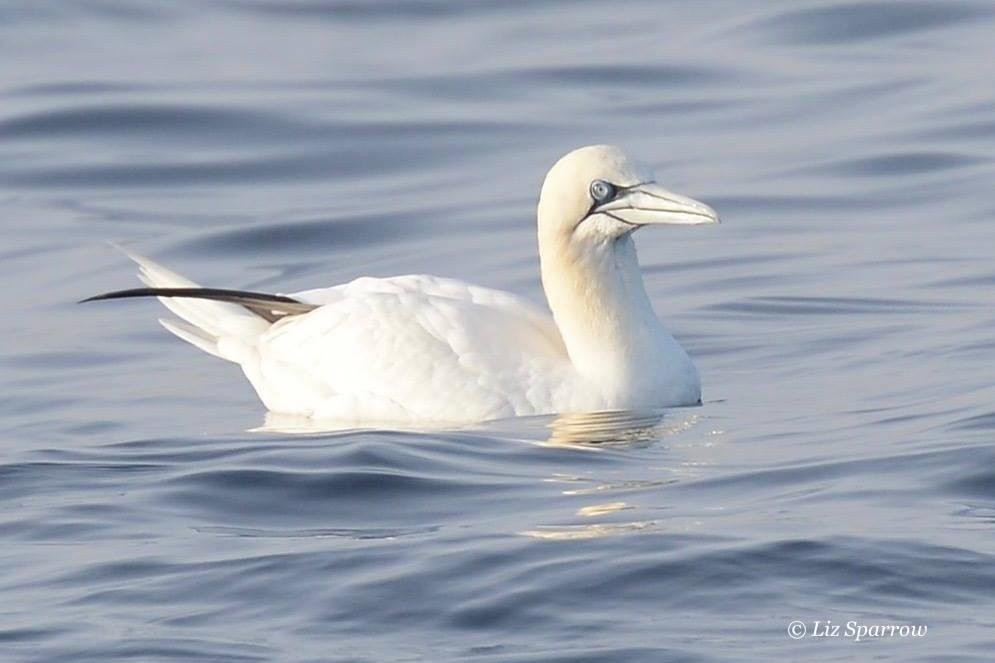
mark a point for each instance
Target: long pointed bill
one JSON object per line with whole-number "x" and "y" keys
{"x": 648, "y": 204}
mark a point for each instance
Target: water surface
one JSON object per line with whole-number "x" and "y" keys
{"x": 841, "y": 468}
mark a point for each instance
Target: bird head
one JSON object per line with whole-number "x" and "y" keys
{"x": 597, "y": 193}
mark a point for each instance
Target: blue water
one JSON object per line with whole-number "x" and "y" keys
{"x": 842, "y": 467}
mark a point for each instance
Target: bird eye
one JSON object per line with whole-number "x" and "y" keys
{"x": 602, "y": 191}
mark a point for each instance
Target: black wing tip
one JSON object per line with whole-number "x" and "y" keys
{"x": 97, "y": 298}
{"x": 268, "y": 307}
{"x": 119, "y": 294}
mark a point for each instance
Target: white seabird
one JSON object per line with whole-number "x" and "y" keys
{"x": 419, "y": 350}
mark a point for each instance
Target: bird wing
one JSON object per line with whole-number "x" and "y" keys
{"x": 410, "y": 347}
{"x": 268, "y": 307}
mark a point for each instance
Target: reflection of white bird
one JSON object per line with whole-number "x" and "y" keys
{"x": 422, "y": 349}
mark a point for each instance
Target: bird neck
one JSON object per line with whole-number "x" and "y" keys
{"x": 599, "y": 302}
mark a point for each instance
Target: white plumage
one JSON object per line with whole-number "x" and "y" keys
{"x": 412, "y": 350}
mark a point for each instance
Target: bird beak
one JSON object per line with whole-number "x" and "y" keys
{"x": 648, "y": 203}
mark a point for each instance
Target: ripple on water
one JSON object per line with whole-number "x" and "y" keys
{"x": 863, "y": 22}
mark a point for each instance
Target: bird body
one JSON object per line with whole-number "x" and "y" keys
{"x": 414, "y": 348}
{"x": 421, "y": 349}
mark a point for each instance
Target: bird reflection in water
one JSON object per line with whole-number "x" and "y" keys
{"x": 592, "y": 431}
{"x": 578, "y": 429}
{"x": 616, "y": 428}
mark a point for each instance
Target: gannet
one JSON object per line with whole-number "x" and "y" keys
{"x": 417, "y": 349}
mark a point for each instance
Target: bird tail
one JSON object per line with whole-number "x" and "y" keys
{"x": 220, "y": 322}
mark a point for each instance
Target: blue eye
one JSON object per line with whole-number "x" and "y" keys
{"x": 602, "y": 191}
